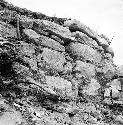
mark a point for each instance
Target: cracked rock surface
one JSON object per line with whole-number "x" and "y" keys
{"x": 56, "y": 71}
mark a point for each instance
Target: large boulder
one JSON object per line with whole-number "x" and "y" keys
{"x": 41, "y": 40}
{"x": 75, "y": 25}
{"x": 113, "y": 89}
{"x": 60, "y": 86}
{"x": 54, "y": 59}
{"x": 85, "y": 69}
{"x": 83, "y": 38}
{"x": 48, "y": 42}
{"x": 92, "y": 88}
{"x": 108, "y": 69}
{"x": 53, "y": 28}
{"x": 84, "y": 52}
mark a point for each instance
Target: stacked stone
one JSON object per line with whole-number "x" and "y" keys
{"x": 71, "y": 62}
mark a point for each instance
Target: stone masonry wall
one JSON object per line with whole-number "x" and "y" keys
{"x": 56, "y": 71}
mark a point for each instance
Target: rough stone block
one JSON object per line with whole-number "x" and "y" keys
{"x": 53, "y": 58}
{"x": 7, "y": 31}
{"x": 92, "y": 88}
{"x": 85, "y": 69}
{"x": 82, "y": 51}
{"x": 75, "y": 25}
{"x": 83, "y": 38}
{"x": 61, "y": 86}
{"x": 108, "y": 69}
{"x": 48, "y": 42}
{"x": 41, "y": 40}
{"x": 53, "y": 28}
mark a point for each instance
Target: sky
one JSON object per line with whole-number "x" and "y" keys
{"x": 103, "y": 16}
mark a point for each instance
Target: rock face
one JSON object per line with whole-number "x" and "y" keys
{"x": 84, "y": 52}
{"x": 52, "y": 28}
{"x": 56, "y": 71}
{"x": 61, "y": 86}
{"x": 85, "y": 69}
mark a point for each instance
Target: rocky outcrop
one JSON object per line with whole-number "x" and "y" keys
{"x": 56, "y": 71}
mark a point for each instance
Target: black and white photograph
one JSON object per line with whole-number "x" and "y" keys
{"x": 61, "y": 62}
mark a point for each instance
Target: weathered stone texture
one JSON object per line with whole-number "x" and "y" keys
{"x": 7, "y": 30}
{"x": 109, "y": 69}
{"x": 53, "y": 58}
{"x": 92, "y": 88}
{"x": 83, "y": 38}
{"x": 56, "y": 71}
{"x": 84, "y": 52}
{"x": 75, "y": 25}
{"x": 85, "y": 69}
{"x": 26, "y": 22}
{"x": 44, "y": 41}
{"x": 53, "y": 28}
{"x": 48, "y": 42}
{"x": 60, "y": 86}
